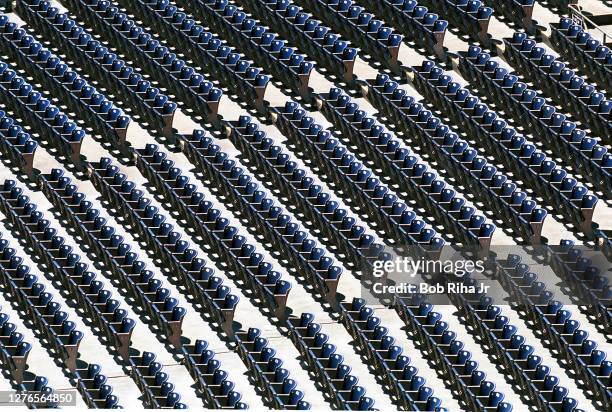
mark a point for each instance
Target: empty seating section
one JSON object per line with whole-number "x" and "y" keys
{"x": 397, "y": 373}
{"x": 470, "y": 16}
{"x": 280, "y": 391}
{"x": 153, "y": 107}
{"x": 167, "y": 244}
{"x": 315, "y": 203}
{"x": 56, "y": 76}
{"x": 395, "y": 217}
{"x": 517, "y": 11}
{"x": 560, "y": 83}
{"x": 257, "y": 42}
{"x": 302, "y": 29}
{"x": 557, "y": 329}
{"x": 360, "y": 27}
{"x": 328, "y": 366}
{"x": 412, "y": 19}
{"x": 266, "y": 217}
{"x": 590, "y": 286}
{"x": 114, "y": 252}
{"x": 207, "y": 221}
{"x": 394, "y": 368}
{"x": 16, "y": 143}
{"x": 361, "y": 197}
{"x": 458, "y": 158}
{"x": 14, "y": 352}
{"x": 53, "y": 324}
{"x": 152, "y": 56}
{"x": 397, "y": 162}
{"x": 572, "y": 200}
{"x": 89, "y": 294}
{"x": 584, "y": 154}
{"x": 25, "y": 101}
{"x": 514, "y": 353}
{"x": 440, "y": 344}
{"x": 213, "y": 54}
{"x": 583, "y": 51}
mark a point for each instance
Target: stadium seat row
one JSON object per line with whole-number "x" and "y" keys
{"x": 583, "y": 51}
{"x": 183, "y": 81}
{"x": 584, "y": 154}
{"x": 89, "y": 295}
{"x": 14, "y": 352}
{"x": 561, "y": 84}
{"x": 445, "y": 350}
{"x": 332, "y": 374}
{"x": 257, "y": 42}
{"x": 16, "y": 144}
{"x": 426, "y": 29}
{"x": 458, "y": 158}
{"x": 360, "y": 27}
{"x": 56, "y": 330}
{"x": 302, "y": 29}
{"x": 603, "y": 242}
{"x": 40, "y": 114}
{"x": 314, "y": 202}
{"x": 59, "y": 78}
{"x": 394, "y": 369}
{"x": 399, "y": 163}
{"x": 589, "y": 285}
{"x": 151, "y": 152}
{"x": 557, "y": 329}
{"x": 153, "y": 107}
{"x": 469, "y": 16}
{"x": 280, "y": 390}
{"x": 568, "y": 198}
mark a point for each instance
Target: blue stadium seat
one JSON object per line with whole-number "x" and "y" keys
{"x": 14, "y": 351}
{"x": 562, "y": 137}
{"x": 556, "y": 325}
{"x": 213, "y": 54}
{"x": 585, "y": 280}
{"x": 253, "y": 270}
{"x": 470, "y": 16}
{"x": 517, "y": 11}
{"x": 329, "y": 367}
{"x": 55, "y": 75}
{"x": 154, "y": 300}
{"x": 53, "y": 325}
{"x": 268, "y": 218}
{"x": 356, "y": 180}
